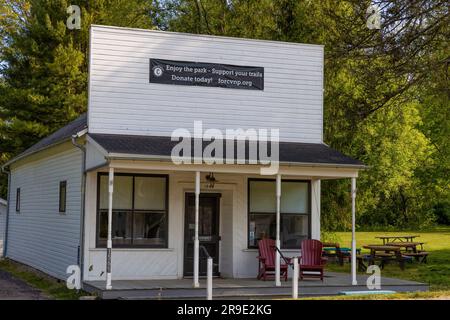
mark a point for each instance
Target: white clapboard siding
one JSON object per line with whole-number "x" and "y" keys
{"x": 2, "y": 224}
{"x": 122, "y": 101}
{"x": 39, "y": 235}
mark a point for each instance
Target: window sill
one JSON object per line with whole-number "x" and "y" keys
{"x": 134, "y": 249}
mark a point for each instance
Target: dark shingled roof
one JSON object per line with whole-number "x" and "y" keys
{"x": 58, "y": 136}
{"x": 154, "y": 146}
{"x": 289, "y": 152}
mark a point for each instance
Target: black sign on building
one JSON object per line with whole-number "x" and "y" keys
{"x": 206, "y": 74}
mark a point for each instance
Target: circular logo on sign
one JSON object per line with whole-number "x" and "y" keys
{"x": 158, "y": 71}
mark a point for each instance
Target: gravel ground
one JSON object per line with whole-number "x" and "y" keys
{"x": 15, "y": 289}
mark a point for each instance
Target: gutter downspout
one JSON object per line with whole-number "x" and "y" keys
{"x": 83, "y": 201}
{"x": 8, "y": 200}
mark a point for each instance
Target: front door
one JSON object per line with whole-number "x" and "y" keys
{"x": 208, "y": 232}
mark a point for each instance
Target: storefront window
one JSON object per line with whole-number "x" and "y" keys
{"x": 139, "y": 211}
{"x": 295, "y": 212}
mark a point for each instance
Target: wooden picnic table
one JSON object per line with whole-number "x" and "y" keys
{"x": 407, "y": 245}
{"x": 383, "y": 253}
{"x": 403, "y": 238}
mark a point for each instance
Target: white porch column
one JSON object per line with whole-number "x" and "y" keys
{"x": 196, "y": 241}
{"x": 278, "y": 242}
{"x": 354, "y": 282}
{"x": 109, "y": 241}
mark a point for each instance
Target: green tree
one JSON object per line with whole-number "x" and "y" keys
{"x": 43, "y": 73}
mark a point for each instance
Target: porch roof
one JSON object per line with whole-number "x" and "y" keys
{"x": 158, "y": 147}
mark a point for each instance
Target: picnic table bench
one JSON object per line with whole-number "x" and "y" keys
{"x": 411, "y": 250}
{"x": 382, "y": 253}
{"x": 409, "y": 246}
{"x": 393, "y": 239}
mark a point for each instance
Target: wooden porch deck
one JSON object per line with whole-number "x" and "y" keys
{"x": 242, "y": 288}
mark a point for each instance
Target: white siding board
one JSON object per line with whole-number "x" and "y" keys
{"x": 200, "y": 37}
{"x": 2, "y": 226}
{"x": 104, "y": 106}
{"x": 194, "y": 40}
{"x": 39, "y": 235}
{"x": 122, "y": 101}
{"x": 194, "y": 98}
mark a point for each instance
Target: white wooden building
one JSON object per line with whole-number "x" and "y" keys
{"x": 160, "y": 216}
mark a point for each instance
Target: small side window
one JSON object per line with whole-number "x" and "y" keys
{"x": 62, "y": 196}
{"x": 18, "y": 200}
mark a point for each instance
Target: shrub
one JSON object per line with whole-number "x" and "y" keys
{"x": 442, "y": 213}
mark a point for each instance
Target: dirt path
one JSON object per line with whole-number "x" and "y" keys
{"x": 12, "y": 288}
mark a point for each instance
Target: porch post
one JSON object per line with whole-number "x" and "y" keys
{"x": 196, "y": 241}
{"x": 109, "y": 241}
{"x": 354, "y": 282}
{"x": 277, "y": 254}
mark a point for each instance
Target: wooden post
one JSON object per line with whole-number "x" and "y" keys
{"x": 210, "y": 279}
{"x": 109, "y": 241}
{"x": 196, "y": 240}
{"x": 295, "y": 279}
{"x": 278, "y": 242}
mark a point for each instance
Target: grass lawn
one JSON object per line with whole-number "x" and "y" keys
{"x": 431, "y": 295}
{"x": 49, "y": 286}
{"x": 436, "y": 272}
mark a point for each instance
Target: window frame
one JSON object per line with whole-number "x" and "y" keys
{"x": 132, "y": 210}
{"x": 62, "y": 209}
{"x": 309, "y": 213}
{"x": 18, "y": 196}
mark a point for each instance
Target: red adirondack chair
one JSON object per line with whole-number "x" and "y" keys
{"x": 311, "y": 259}
{"x": 266, "y": 257}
